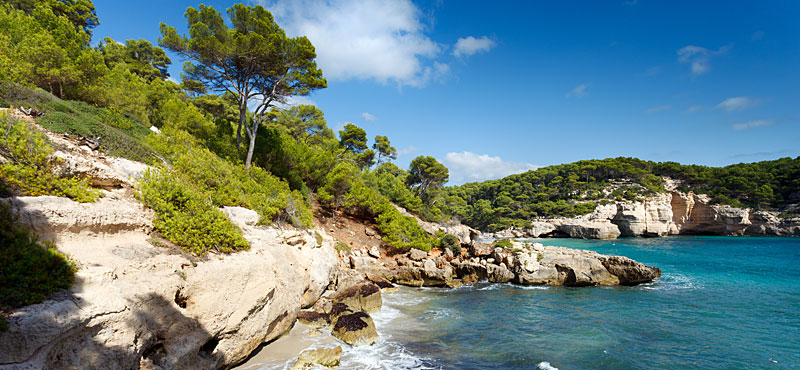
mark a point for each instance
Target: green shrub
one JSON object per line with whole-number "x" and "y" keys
{"x": 539, "y": 257}
{"x": 318, "y": 238}
{"x": 341, "y": 246}
{"x": 502, "y": 243}
{"x": 29, "y": 271}
{"x": 450, "y": 242}
{"x": 31, "y": 169}
{"x": 185, "y": 217}
{"x": 227, "y": 184}
{"x": 119, "y": 135}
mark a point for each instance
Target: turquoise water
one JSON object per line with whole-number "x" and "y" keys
{"x": 722, "y": 303}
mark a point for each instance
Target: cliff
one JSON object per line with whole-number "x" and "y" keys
{"x": 673, "y": 213}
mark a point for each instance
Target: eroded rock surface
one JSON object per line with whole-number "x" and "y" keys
{"x": 135, "y": 304}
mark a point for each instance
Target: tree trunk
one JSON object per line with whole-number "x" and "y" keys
{"x": 242, "y": 122}
{"x": 252, "y": 133}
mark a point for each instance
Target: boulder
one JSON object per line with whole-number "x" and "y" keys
{"x": 241, "y": 215}
{"x": 313, "y": 318}
{"x": 478, "y": 249}
{"x": 364, "y": 297}
{"x": 417, "y": 255}
{"x": 628, "y": 271}
{"x": 498, "y": 274}
{"x": 434, "y": 276}
{"x": 328, "y": 357}
{"x": 355, "y": 329}
{"x": 374, "y": 252}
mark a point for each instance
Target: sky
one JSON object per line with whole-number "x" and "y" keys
{"x": 501, "y": 87}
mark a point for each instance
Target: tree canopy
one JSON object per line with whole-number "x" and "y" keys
{"x": 254, "y": 60}
{"x": 426, "y": 174}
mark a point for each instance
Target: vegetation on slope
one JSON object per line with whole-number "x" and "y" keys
{"x": 115, "y": 92}
{"x": 30, "y": 169}
{"x": 29, "y": 270}
{"x": 576, "y": 188}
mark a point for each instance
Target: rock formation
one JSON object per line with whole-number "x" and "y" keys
{"x": 663, "y": 214}
{"x": 137, "y": 304}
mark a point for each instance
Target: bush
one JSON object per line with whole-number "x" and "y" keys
{"x": 227, "y": 184}
{"x": 29, "y": 271}
{"x": 450, "y": 242}
{"x": 31, "y": 169}
{"x": 119, "y": 135}
{"x": 502, "y": 243}
{"x": 341, "y": 246}
{"x": 184, "y": 217}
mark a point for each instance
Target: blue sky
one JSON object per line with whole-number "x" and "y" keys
{"x": 493, "y": 88}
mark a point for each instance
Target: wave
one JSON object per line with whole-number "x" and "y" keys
{"x": 544, "y": 365}
{"x": 670, "y": 282}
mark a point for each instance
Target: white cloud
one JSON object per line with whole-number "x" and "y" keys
{"x": 659, "y": 108}
{"x": 758, "y": 35}
{"x": 753, "y": 124}
{"x": 407, "y": 150}
{"x": 368, "y": 116}
{"x": 291, "y": 101}
{"x": 694, "y": 108}
{"x": 579, "y": 91}
{"x": 469, "y": 45}
{"x": 376, "y": 40}
{"x": 738, "y": 103}
{"x": 652, "y": 71}
{"x": 699, "y": 57}
{"x": 631, "y": 2}
{"x": 468, "y": 166}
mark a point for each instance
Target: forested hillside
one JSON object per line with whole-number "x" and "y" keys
{"x": 218, "y": 138}
{"x": 576, "y": 188}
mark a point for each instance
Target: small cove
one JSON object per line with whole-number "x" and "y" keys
{"x": 723, "y": 302}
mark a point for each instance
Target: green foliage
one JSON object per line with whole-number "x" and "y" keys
{"x": 450, "y": 242}
{"x": 502, "y": 243}
{"x": 576, "y": 188}
{"x": 29, "y": 271}
{"x": 252, "y": 59}
{"x": 31, "y": 169}
{"x": 539, "y": 257}
{"x": 384, "y": 148}
{"x": 118, "y": 134}
{"x": 318, "y": 238}
{"x": 426, "y": 175}
{"x": 341, "y": 246}
{"x": 184, "y": 217}
{"x": 227, "y": 184}
{"x": 346, "y": 189}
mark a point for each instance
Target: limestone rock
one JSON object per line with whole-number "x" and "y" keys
{"x": 241, "y": 215}
{"x": 313, "y": 318}
{"x": 480, "y": 249}
{"x": 328, "y": 357}
{"x": 498, "y": 274}
{"x": 417, "y": 255}
{"x": 374, "y": 252}
{"x": 628, "y": 271}
{"x": 365, "y": 297}
{"x": 356, "y": 329}
{"x": 134, "y": 303}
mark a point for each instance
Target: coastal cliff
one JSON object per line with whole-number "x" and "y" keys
{"x": 672, "y": 213}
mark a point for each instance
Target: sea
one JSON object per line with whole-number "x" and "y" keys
{"x": 721, "y": 303}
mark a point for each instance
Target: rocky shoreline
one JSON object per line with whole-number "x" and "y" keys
{"x": 137, "y": 304}
{"x": 673, "y": 213}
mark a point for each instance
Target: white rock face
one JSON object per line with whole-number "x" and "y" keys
{"x": 137, "y": 305}
{"x": 660, "y": 215}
